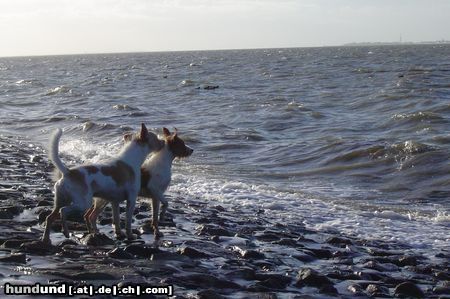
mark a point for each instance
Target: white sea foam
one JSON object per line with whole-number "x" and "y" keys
{"x": 419, "y": 231}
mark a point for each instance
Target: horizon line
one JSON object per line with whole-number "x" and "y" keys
{"x": 350, "y": 44}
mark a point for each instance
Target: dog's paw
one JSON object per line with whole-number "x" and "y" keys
{"x": 131, "y": 237}
{"x": 158, "y": 235}
{"x": 120, "y": 235}
{"x": 46, "y": 241}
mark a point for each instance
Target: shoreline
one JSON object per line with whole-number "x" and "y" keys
{"x": 207, "y": 251}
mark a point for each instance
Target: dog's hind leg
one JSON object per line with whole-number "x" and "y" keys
{"x": 155, "y": 221}
{"x": 93, "y": 212}
{"x": 87, "y": 219}
{"x": 48, "y": 223}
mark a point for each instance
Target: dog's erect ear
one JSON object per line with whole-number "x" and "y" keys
{"x": 175, "y": 133}
{"x": 144, "y": 133}
{"x": 127, "y": 137}
{"x": 166, "y": 132}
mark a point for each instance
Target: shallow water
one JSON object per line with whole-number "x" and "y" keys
{"x": 353, "y": 139}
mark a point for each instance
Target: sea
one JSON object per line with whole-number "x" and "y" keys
{"x": 353, "y": 140}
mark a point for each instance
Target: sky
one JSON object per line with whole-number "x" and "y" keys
{"x": 49, "y": 27}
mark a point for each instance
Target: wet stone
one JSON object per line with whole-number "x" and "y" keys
{"x": 97, "y": 240}
{"x": 93, "y": 276}
{"x": 119, "y": 253}
{"x": 248, "y": 253}
{"x": 142, "y": 251}
{"x": 192, "y": 252}
{"x": 209, "y": 294}
{"x": 355, "y": 289}
{"x": 5, "y": 214}
{"x": 14, "y": 243}
{"x": 310, "y": 277}
{"x": 272, "y": 281}
{"x": 303, "y": 257}
{"x": 408, "y": 289}
{"x": 19, "y": 258}
{"x": 214, "y": 230}
{"x": 38, "y": 248}
{"x": 406, "y": 261}
{"x": 202, "y": 281}
{"x": 441, "y": 290}
{"x": 377, "y": 291}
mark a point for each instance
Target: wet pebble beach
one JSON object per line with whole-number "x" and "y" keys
{"x": 209, "y": 249}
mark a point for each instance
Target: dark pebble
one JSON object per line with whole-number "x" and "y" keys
{"x": 441, "y": 275}
{"x": 273, "y": 281}
{"x": 97, "y": 240}
{"x": 339, "y": 241}
{"x": 406, "y": 261}
{"x": 5, "y": 214}
{"x": 93, "y": 276}
{"x": 328, "y": 289}
{"x": 44, "y": 203}
{"x": 19, "y": 258}
{"x": 38, "y": 247}
{"x": 214, "y": 230}
{"x": 248, "y": 253}
{"x": 13, "y": 243}
{"x": 408, "y": 289}
{"x": 192, "y": 252}
{"x": 441, "y": 290}
{"x": 310, "y": 277}
{"x": 267, "y": 236}
{"x": 209, "y": 294}
{"x": 356, "y": 290}
{"x": 141, "y": 250}
{"x": 377, "y": 291}
{"x": 202, "y": 281}
{"x": 119, "y": 253}
{"x": 321, "y": 253}
{"x": 14, "y": 210}
{"x": 303, "y": 257}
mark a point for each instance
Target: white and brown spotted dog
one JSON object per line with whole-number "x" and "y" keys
{"x": 115, "y": 180}
{"x": 156, "y": 174}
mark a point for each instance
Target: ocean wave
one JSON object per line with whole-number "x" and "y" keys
{"x": 92, "y": 126}
{"x": 124, "y": 107}
{"x": 59, "y": 90}
{"x": 25, "y": 82}
{"x": 418, "y": 116}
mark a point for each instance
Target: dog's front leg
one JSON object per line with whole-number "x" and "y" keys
{"x": 116, "y": 220}
{"x": 155, "y": 221}
{"x": 164, "y": 206}
{"x": 131, "y": 203}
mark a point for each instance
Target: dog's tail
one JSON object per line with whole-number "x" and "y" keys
{"x": 54, "y": 155}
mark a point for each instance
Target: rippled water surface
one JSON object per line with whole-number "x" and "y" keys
{"x": 353, "y": 138}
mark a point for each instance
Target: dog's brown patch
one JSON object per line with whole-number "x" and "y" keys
{"x": 121, "y": 173}
{"x": 146, "y": 176}
{"x": 77, "y": 177}
{"x": 91, "y": 169}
